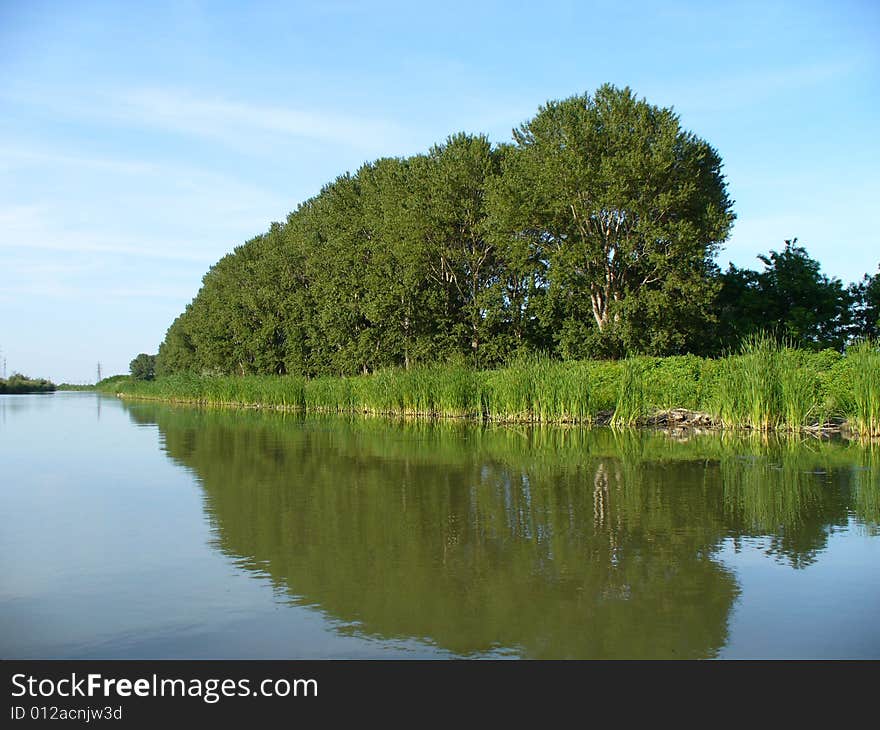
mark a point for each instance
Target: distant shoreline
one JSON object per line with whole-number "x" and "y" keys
{"x": 18, "y": 384}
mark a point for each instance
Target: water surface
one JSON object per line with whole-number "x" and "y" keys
{"x": 136, "y": 530}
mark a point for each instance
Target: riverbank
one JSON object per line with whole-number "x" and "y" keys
{"x": 764, "y": 388}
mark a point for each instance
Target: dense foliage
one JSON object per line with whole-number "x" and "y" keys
{"x": 795, "y": 301}
{"x": 592, "y": 235}
{"x": 865, "y": 297}
{"x": 143, "y": 367}
{"x": 18, "y": 383}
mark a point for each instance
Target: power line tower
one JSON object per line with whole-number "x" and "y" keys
{"x": 99, "y": 373}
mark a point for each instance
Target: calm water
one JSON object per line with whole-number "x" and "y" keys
{"x": 138, "y": 530}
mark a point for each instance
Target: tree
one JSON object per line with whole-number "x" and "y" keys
{"x": 627, "y": 208}
{"x": 143, "y": 367}
{"x": 791, "y": 298}
{"x": 177, "y": 352}
{"x": 740, "y": 308}
{"x": 401, "y": 301}
{"x": 463, "y": 258}
{"x": 866, "y": 307}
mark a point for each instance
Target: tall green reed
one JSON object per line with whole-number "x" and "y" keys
{"x": 630, "y": 408}
{"x": 865, "y": 406}
{"x": 749, "y": 392}
{"x": 765, "y": 386}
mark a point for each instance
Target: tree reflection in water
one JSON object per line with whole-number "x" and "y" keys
{"x": 547, "y": 543}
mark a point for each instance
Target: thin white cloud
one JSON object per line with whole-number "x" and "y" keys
{"x": 165, "y": 174}
{"x": 15, "y": 217}
{"x": 38, "y": 266}
{"x": 736, "y": 91}
{"x": 25, "y": 227}
{"x": 68, "y": 291}
{"x": 18, "y": 156}
{"x": 130, "y": 207}
{"x": 233, "y": 121}
{"x": 238, "y": 123}
{"x": 78, "y": 243}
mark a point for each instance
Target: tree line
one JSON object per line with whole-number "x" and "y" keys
{"x": 593, "y": 233}
{"x": 18, "y": 383}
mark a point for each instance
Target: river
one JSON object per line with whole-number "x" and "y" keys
{"x": 139, "y": 530}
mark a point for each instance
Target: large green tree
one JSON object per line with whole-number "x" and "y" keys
{"x": 627, "y": 208}
{"x": 143, "y": 367}
{"x": 401, "y": 300}
{"x": 462, "y": 258}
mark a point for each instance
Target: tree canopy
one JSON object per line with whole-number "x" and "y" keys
{"x": 865, "y": 297}
{"x": 790, "y": 297}
{"x": 592, "y": 234}
{"x": 143, "y": 367}
{"x": 628, "y": 209}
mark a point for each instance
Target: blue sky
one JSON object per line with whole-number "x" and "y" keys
{"x": 140, "y": 142}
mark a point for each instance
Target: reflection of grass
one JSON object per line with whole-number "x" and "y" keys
{"x": 764, "y": 387}
{"x": 866, "y": 495}
{"x": 767, "y": 495}
{"x": 769, "y": 480}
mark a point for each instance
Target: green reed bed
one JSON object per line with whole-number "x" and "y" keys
{"x": 765, "y": 387}
{"x": 801, "y": 402}
{"x": 769, "y": 386}
{"x": 429, "y": 391}
{"x": 332, "y": 395}
{"x": 864, "y": 406}
{"x": 630, "y": 407}
{"x": 540, "y": 390}
{"x": 749, "y": 389}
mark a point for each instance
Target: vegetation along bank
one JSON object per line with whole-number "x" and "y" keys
{"x": 765, "y": 387}
{"x": 18, "y": 383}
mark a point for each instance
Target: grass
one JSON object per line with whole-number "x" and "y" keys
{"x": 864, "y": 407}
{"x": 750, "y": 386}
{"x": 764, "y": 387}
{"x": 630, "y": 407}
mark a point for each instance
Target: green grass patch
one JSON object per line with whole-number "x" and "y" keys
{"x": 764, "y": 387}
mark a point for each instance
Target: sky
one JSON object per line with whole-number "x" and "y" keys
{"x": 141, "y": 142}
